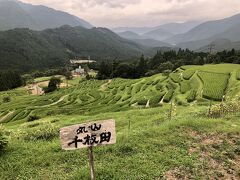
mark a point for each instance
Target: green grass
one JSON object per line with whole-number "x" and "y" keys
{"x": 152, "y": 148}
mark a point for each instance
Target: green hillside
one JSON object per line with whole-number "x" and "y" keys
{"x": 27, "y": 50}
{"x": 155, "y": 138}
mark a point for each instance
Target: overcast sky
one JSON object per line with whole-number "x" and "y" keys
{"x": 120, "y": 13}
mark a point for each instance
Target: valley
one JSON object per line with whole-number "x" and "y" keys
{"x": 140, "y": 90}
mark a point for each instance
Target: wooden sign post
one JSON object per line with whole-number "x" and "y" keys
{"x": 88, "y": 135}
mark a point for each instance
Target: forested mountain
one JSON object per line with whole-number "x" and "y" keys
{"x": 15, "y": 14}
{"x": 25, "y": 50}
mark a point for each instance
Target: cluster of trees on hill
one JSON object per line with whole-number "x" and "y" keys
{"x": 116, "y": 69}
{"x": 162, "y": 61}
{"x": 10, "y": 80}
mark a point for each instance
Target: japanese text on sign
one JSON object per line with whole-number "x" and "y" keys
{"x": 88, "y": 134}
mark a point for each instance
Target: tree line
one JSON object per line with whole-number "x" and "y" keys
{"x": 163, "y": 61}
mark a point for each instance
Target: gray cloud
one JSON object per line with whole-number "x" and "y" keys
{"x": 111, "y": 13}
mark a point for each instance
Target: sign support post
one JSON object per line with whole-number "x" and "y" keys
{"x": 91, "y": 162}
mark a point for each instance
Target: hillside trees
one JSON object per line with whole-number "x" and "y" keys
{"x": 53, "y": 85}
{"x": 163, "y": 61}
{"x": 10, "y": 80}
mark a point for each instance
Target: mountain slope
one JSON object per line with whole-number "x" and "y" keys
{"x": 129, "y": 35}
{"x": 25, "y": 50}
{"x": 15, "y": 14}
{"x": 232, "y": 34}
{"x": 206, "y": 30}
{"x": 12, "y": 16}
{"x": 158, "y": 34}
{"x": 178, "y": 28}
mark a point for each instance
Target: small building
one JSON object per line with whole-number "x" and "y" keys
{"x": 75, "y": 61}
{"x": 80, "y": 70}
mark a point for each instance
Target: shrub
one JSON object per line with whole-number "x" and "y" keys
{"x": 53, "y": 85}
{"x": 3, "y": 139}
{"x": 224, "y": 108}
{"x": 33, "y": 118}
{"x": 46, "y": 132}
{"x": 6, "y": 99}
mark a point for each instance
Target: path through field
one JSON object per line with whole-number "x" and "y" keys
{"x": 104, "y": 86}
{"x": 6, "y": 116}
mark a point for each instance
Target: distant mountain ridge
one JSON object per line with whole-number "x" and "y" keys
{"x": 206, "y": 30}
{"x": 222, "y": 33}
{"x": 150, "y": 35}
{"x": 15, "y": 14}
{"x": 173, "y": 28}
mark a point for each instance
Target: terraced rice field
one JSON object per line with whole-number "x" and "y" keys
{"x": 94, "y": 96}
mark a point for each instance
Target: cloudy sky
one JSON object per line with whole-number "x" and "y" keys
{"x": 120, "y": 13}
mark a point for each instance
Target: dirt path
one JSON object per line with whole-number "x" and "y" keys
{"x": 35, "y": 89}
{"x": 104, "y": 86}
{"x": 6, "y": 116}
{"x": 60, "y": 100}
